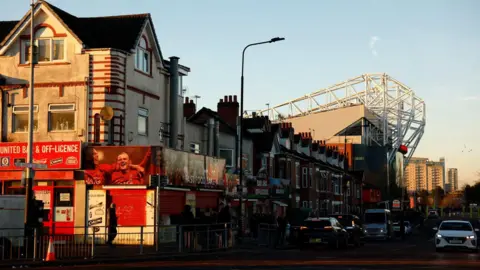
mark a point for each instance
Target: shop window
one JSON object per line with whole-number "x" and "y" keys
{"x": 61, "y": 117}
{"x": 227, "y": 154}
{"x": 20, "y": 118}
{"x": 142, "y": 121}
{"x": 44, "y": 195}
{"x": 63, "y": 202}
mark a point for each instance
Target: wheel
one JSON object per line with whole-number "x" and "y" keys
{"x": 438, "y": 249}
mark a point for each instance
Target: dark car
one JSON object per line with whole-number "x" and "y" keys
{"x": 321, "y": 231}
{"x": 354, "y": 226}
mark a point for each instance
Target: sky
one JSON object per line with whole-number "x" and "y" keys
{"x": 433, "y": 46}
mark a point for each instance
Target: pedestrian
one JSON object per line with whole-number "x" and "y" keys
{"x": 112, "y": 224}
{"x": 188, "y": 220}
{"x": 281, "y": 228}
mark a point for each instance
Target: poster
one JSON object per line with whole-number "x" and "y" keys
{"x": 64, "y": 214}
{"x": 176, "y": 166}
{"x": 216, "y": 171}
{"x": 109, "y": 165}
{"x": 196, "y": 169}
{"x": 44, "y": 196}
{"x": 97, "y": 210}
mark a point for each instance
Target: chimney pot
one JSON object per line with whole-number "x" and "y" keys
{"x": 230, "y": 99}
{"x": 225, "y": 99}
{"x": 235, "y": 98}
{"x": 186, "y": 100}
{"x": 221, "y": 101}
{"x": 191, "y": 101}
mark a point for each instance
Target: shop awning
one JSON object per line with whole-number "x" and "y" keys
{"x": 280, "y": 203}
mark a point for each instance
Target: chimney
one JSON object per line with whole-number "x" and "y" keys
{"x": 174, "y": 102}
{"x": 228, "y": 110}
{"x": 189, "y": 108}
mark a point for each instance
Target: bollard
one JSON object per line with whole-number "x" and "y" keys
{"x": 35, "y": 244}
{"x": 141, "y": 240}
{"x": 93, "y": 242}
{"x": 180, "y": 239}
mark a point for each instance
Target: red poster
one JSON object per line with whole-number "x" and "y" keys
{"x": 55, "y": 155}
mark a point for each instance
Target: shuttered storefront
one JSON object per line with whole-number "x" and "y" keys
{"x": 131, "y": 206}
{"x": 171, "y": 202}
{"x": 205, "y": 199}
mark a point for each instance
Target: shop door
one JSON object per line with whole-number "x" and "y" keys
{"x": 45, "y": 194}
{"x": 63, "y": 199}
{"x": 130, "y": 207}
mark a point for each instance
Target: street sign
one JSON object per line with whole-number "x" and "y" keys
{"x": 396, "y": 204}
{"x": 31, "y": 165}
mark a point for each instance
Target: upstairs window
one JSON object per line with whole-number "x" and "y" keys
{"x": 61, "y": 117}
{"x": 142, "y": 121}
{"x": 49, "y": 48}
{"x": 142, "y": 56}
{"x": 20, "y": 118}
{"x": 227, "y": 154}
{"x": 304, "y": 177}
{"x": 195, "y": 148}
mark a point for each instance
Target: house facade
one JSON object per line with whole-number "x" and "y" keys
{"x": 102, "y": 89}
{"x": 84, "y": 65}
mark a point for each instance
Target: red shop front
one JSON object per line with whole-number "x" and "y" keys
{"x": 54, "y": 185}
{"x": 207, "y": 198}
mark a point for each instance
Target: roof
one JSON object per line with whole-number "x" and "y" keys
{"x": 199, "y": 118}
{"x": 5, "y": 28}
{"x": 114, "y": 32}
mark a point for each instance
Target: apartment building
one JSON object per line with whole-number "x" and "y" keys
{"x": 84, "y": 65}
{"x": 452, "y": 180}
{"x": 436, "y": 174}
{"x": 416, "y": 174}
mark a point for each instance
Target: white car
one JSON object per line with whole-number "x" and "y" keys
{"x": 456, "y": 234}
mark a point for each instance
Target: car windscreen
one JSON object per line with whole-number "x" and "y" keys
{"x": 455, "y": 226}
{"x": 317, "y": 224}
{"x": 344, "y": 220}
{"x": 375, "y": 218}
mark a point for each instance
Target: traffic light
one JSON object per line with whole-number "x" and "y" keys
{"x": 36, "y": 214}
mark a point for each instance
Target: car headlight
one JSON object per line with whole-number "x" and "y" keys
{"x": 381, "y": 230}
{"x": 471, "y": 237}
{"x": 439, "y": 236}
{"x": 365, "y": 231}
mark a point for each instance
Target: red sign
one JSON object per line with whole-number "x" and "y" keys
{"x": 55, "y": 155}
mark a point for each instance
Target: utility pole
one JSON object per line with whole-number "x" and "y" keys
{"x": 29, "y": 170}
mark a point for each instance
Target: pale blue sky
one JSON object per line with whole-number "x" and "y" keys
{"x": 433, "y": 46}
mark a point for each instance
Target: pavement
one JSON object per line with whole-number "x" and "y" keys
{"x": 415, "y": 252}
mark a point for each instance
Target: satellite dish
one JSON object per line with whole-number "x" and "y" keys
{"x": 106, "y": 113}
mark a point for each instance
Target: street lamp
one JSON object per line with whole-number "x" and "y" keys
{"x": 240, "y": 127}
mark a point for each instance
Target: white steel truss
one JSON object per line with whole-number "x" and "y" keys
{"x": 397, "y": 110}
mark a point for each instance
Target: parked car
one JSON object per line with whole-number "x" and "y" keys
{"x": 323, "y": 231}
{"x": 354, "y": 227}
{"x": 406, "y": 225}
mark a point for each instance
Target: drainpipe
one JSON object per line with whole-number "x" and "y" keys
{"x": 174, "y": 91}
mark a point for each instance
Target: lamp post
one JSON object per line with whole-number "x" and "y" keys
{"x": 29, "y": 169}
{"x": 240, "y": 129}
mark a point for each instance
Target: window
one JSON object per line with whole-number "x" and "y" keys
{"x": 318, "y": 179}
{"x": 20, "y": 118}
{"x": 304, "y": 177}
{"x": 310, "y": 173}
{"x": 297, "y": 174}
{"x": 310, "y": 205}
{"x": 142, "y": 57}
{"x": 227, "y": 154}
{"x": 358, "y": 192}
{"x": 195, "y": 148}
{"x": 337, "y": 188}
{"x": 142, "y": 121}
{"x": 305, "y": 204}
{"x": 48, "y": 48}
{"x": 61, "y": 117}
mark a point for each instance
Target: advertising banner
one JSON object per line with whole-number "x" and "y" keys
{"x": 117, "y": 165}
{"x": 54, "y": 155}
{"x": 216, "y": 171}
{"x": 176, "y": 166}
{"x": 399, "y": 169}
{"x": 97, "y": 206}
{"x": 196, "y": 169}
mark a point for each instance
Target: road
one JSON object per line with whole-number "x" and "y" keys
{"x": 416, "y": 252}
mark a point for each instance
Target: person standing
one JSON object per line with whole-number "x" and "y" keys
{"x": 112, "y": 224}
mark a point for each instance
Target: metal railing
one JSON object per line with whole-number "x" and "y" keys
{"x": 92, "y": 242}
